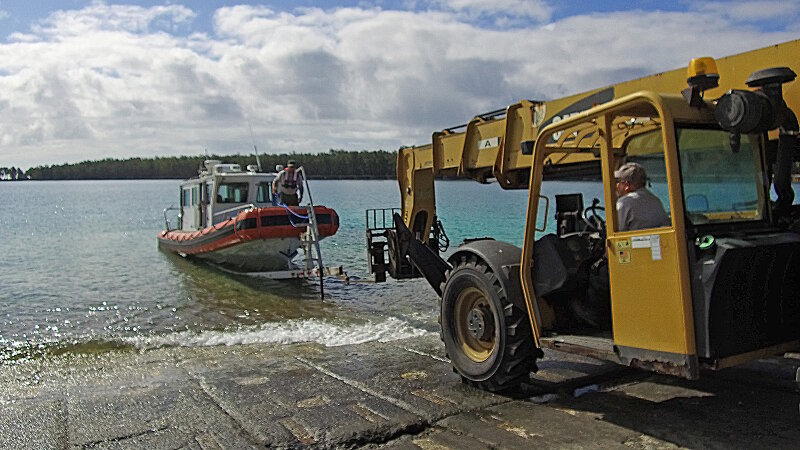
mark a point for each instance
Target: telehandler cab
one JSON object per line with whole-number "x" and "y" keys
{"x": 715, "y": 287}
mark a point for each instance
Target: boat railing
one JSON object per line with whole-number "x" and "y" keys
{"x": 302, "y": 171}
{"x": 166, "y": 220}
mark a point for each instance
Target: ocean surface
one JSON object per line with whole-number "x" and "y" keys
{"x": 81, "y": 270}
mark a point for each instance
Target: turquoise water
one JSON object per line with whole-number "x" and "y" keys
{"x": 81, "y": 270}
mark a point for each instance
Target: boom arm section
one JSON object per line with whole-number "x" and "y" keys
{"x": 499, "y": 144}
{"x": 415, "y": 173}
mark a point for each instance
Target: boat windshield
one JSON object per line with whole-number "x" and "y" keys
{"x": 263, "y": 193}
{"x": 232, "y": 193}
{"x": 720, "y": 184}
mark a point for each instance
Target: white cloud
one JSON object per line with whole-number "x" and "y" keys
{"x": 749, "y": 10}
{"x": 23, "y": 37}
{"x": 119, "y": 81}
{"x": 99, "y": 16}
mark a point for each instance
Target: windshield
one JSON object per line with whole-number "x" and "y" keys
{"x": 232, "y": 193}
{"x": 719, "y": 184}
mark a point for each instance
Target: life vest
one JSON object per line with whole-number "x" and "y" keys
{"x": 289, "y": 181}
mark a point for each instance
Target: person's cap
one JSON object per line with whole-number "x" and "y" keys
{"x": 291, "y": 163}
{"x": 631, "y": 172}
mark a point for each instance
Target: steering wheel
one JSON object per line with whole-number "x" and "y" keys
{"x": 592, "y": 218}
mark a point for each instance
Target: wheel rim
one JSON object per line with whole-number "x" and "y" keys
{"x": 474, "y": 324}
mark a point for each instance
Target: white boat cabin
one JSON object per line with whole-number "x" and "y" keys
{"x": 221, "y": 191}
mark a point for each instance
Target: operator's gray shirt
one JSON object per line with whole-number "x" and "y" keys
{"x": 640, "y": 209}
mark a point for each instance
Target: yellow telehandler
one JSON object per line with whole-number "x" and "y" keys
{"x": 717, "y": 285}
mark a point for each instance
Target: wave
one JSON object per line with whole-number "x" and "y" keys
{"x": 288, "y": 332}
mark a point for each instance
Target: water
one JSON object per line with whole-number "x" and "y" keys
{"x": 81, "y": 270}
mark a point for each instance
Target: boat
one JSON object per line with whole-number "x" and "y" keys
{"x": 228, "y": 217}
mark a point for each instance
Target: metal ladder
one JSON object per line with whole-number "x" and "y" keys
{"x": 309, "y": 239}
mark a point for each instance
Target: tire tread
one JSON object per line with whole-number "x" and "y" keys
{"x": 519, "y": 355}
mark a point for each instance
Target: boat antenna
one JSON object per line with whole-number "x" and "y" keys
{"x": 200, "y": 169}
{"x": 253, "y": 138}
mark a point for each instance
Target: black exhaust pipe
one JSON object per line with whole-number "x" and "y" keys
{"x": 771, "y": 81}
{"x": 782, "y": 180}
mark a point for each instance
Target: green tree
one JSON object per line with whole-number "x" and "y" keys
{"x": 334, "y": 164}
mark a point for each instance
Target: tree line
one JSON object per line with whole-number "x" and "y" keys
{"x": 12, "y": 174}
{"x": 335, "y": 164}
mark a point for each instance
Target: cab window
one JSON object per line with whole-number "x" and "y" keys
{"x": 640, "y": 207}
{"x": 720, "y": 184}
{"x": 232, "y": 193}
{"x": 648, "y": 150}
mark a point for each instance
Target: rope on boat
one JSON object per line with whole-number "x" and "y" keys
{"x": 299, "y": 216}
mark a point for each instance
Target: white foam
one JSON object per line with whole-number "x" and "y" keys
{"x": 289, "y": 332}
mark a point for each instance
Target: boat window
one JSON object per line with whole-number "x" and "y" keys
{"x": 264, "y": 192}
{"x": 186, "y": 198}
{"x": 232, "y": 193}
{"x": 719, "y": 183}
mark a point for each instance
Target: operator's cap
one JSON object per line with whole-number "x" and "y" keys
{"x": 631, "y": 172}
{"x": 291, "y": 163}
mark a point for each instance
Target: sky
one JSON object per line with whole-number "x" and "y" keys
{"x": 86, "y": 80}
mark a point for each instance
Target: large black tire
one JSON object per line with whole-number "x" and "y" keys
{"x": 487, "y": 335}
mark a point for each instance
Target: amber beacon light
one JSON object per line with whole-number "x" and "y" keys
{"x": 701, "y": 74}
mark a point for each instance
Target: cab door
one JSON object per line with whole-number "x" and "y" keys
{"x": 648, "y": 268}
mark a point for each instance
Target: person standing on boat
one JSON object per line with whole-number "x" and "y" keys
{"x": 288, "y": 185}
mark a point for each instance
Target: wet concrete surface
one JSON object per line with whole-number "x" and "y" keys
{"x": 400, "y": 394}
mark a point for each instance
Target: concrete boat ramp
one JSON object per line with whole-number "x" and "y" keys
{"x": 399, "y": 394}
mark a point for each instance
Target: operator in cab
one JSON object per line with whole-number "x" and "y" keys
{"x": 637, "y": 207}
{"x": 288, "y": 185}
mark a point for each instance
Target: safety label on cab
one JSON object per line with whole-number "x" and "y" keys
{"x": 652, "y": 241}
{"x": 624, "y": 256}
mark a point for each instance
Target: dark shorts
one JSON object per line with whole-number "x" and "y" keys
{"x": 289, "y": 199}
